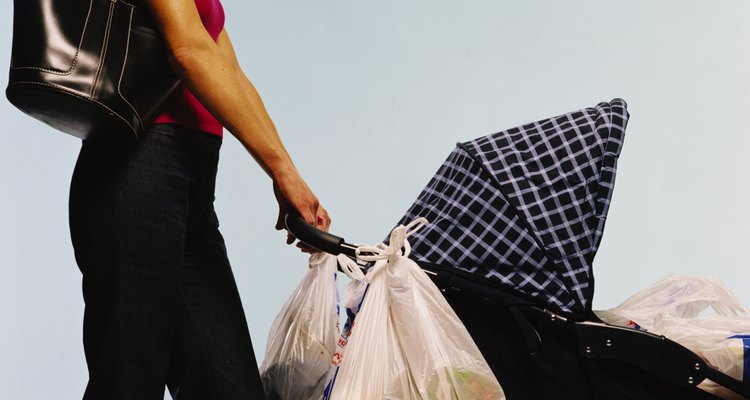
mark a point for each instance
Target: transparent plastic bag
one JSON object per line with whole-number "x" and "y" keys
{"x": 406, "y": 342}
{"x": 675, "y": 296}
{"x": 303, "y": 336}
{"x": 353, "y": 298}
{"x": 678, "y": 308}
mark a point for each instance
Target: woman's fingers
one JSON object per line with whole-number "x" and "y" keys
{"x": 292, "y": 193}
{"x": 322, "y": 221}
{"x": 305, "y": 248}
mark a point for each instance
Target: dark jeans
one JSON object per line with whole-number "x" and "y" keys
{"x": 162, "y": 305}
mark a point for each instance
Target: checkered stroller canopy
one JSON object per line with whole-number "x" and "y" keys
{"x": 525, "y": 208}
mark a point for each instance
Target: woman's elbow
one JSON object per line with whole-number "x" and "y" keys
{"x": 188, "y": 56}
{"x": 182, "y": 57}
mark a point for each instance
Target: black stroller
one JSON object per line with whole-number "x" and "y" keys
{"x": 516, "y": 219}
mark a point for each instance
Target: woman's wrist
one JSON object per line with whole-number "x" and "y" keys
{"x": 282, "y": 170}
{"x": 275, "y": 161}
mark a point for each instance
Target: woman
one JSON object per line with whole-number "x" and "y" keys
{"x": 161, "y": 302}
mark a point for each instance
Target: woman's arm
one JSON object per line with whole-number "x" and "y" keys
{"x": 226, "y": 47}
{"x": 211, "y": 71}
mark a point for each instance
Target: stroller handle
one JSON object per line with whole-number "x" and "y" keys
{"x": 317, "y": 238}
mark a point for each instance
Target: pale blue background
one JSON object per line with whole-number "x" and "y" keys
{"x": 370, "y": 97}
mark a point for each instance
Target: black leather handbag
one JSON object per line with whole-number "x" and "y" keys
{"x": 90, "y": 68}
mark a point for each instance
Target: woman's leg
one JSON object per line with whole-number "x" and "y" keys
{"x": 134, "y": 214}
{"x": 213, "y": 357}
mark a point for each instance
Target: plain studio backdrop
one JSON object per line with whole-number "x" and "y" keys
{"x": 370, "y": 97}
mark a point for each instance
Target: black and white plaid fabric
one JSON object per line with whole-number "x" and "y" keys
{"x": 526, "y": 207}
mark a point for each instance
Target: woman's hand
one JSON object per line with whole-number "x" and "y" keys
{"x": 292, "y": 193}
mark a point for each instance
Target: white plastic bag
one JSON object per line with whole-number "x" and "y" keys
{"x": 406, "y": 342}
{"x": 303, "y": 336}
{"x": 675, "y": 307}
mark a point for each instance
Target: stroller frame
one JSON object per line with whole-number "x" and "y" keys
{"x": 596, "y": 340}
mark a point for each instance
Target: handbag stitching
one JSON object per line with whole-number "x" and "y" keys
{"x": 75, "y": 57}
{"x": 72, "y": 93}
{"x": 103, "y": 53}
{"x": 98, "y": 72}
{"x": 125, "y": 61}
{"x": 135, "y": 133}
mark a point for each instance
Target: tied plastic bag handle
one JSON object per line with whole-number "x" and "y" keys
{"x": 383, "y": 254}
{"x": 344, "y": 251}
{"x": 396, "y": 242}
{"x": 350, "y": 268}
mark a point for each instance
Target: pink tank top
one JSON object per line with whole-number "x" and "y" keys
{"x": 182, "y": 108}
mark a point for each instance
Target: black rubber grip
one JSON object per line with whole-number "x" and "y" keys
{"x": 316, "y": 238}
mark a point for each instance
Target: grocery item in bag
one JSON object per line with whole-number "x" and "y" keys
{"x": 303, "y": 336}
{"x": 406, "y": 342}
